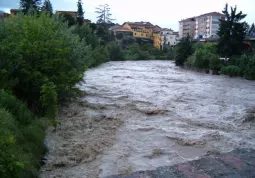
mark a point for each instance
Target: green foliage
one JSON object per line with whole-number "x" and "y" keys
{"x": 231, "y": 32}
{"x": 115, "y": 52}
{"x": 135, "y": 53}
{"x": 21, "y": 141}
{"x": 38, "y": 49}
{"x": 85, "y": 32}
{"x": 80, "y": 12}
{"x": 249, "y": 70}
{"x": 25, "y": 5}
{"x": 184, "y": 49}
{"x": 171, "y": 53}
{"x": 99, "y": 55}
{"x": 231, "y": 70}
{"x": 69, "y": 19}
{"x": 47, "y": 7}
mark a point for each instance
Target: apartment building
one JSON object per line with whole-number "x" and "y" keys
{"x": 140, "y": 29}
{"x": 207, "y": 25}
{"x": 202, "y": 26}
{"x": 169, "y": 38}
{"x": 187, "y": 27}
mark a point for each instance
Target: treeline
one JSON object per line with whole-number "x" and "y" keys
{"x": 237, "y": 59}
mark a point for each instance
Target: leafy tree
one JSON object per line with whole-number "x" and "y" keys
{"x": 252, "y": 30}
{"x": 69, "y": 18}
{"x": 80, "y": 15}
{"x": 231, "y": 32}
{"x": 104, "y": 15}
{"x": 45, "y": 56}
{"x": 47, "y": 7}
{"x": 25, "y": 5}
{"x": 184, "y": 49}
{"x": 119, "y": 36}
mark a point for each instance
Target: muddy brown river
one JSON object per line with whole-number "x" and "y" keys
{"x": 140, "y": 115}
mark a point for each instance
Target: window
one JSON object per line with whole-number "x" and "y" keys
{"x": 168, "y": 43}
{"x": 135, "y": 33}
{"x": 146, "y": 35}
{"x": 141, "y": 34}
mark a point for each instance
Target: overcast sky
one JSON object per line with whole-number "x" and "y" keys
{"x": 165, "y": 13}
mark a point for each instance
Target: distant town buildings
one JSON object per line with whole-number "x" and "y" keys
{"x": 202, "y": 26}
{"x": 160, "y": 37}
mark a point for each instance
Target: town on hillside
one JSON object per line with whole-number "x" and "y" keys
{"x": 199, "y": 28}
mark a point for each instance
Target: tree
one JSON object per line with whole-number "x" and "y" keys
{"x": 69, "y": 18}
{"x": 47, "y": 7}
{"x": 231, "y": 32}
{"x": 104, "y": 15}
{"x": 80, "y": 15}
{"x": 25, "y": 5}
{"x": 252, "y": 30}
{"x": 184, "y": 49}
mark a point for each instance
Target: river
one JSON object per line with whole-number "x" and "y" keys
{"x": 139, "y": 115}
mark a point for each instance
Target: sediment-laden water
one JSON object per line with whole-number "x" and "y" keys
{"x": 139, "y": 115}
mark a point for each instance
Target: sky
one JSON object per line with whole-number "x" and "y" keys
{"x": 165, "y": 13}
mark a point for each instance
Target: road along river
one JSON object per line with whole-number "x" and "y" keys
{"x": 140, "y": 115}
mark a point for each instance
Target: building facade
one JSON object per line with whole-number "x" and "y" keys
{"x": 140, "y": 29}
{"x": 187, "y": 27}
{"x": 202, "y": 26}
{"x": 207, "y": 25}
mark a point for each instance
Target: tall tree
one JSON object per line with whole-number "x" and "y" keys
{"x": 80, "y": 14}
{"x": 184, "y": 49}
{"x": 252, "y": 30}
{"x": 231, "y": 32}
{"x": 47, "y": 7}
{"x": 104, "y": 15}
{"x": 25, "y": 5}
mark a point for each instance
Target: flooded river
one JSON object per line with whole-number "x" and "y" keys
{"x": 139, "y": 115}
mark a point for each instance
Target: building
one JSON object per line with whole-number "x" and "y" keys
{"x": 207, "y": 25}
{"x": 15, "y": 11}
{"x": 187, "y": 27}
{"x": 140, "y": 29}
{"x": 202, "y": 26}
{"x": 72, "y": 13}
{"x": 169, "y": 38}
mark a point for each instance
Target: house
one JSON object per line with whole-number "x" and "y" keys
{"x": 157, "y": 39}
{"x": 72, "y": 13}
{"x": 169, "y": 38}
{"x": 15, "y": 11}
{"x": 124, "y": 31}
{"x": 140, "y": 29}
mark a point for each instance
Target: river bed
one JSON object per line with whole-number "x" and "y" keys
{"x": 140, "y": 115}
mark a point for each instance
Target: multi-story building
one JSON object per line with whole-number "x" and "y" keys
{"x": 169, "y": 38}
{"x": 202, "y": 26}
{"x": 207, "y": 25}
{"x": 187, "y": 27}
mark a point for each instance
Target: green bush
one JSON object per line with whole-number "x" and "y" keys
{"x": 135, "y": 51}
{"x": 99, "y": 55}
{"x": 38, "y": 51}
{"x": 21, "y": 141}
{"x": 249, "y": 70}
{"x": 184, "y": 49}
{"x": 115, "y": 52}
{"x": 231, "y": 71}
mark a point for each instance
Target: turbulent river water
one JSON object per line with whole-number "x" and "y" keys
{"x": 139, "y": 115}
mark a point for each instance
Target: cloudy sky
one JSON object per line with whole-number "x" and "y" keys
{"x": 165, "y": 13}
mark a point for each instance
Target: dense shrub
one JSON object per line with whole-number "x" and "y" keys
{"x": 249, "y": 70}
{"x": 135, "y": 53}
{"x": 115, "y": 52}
{"x": 99, "y": 56}
{"x": 21, "y": 141}
{"x": 231, "y": 71}
{"x": 41, "y": 60}
{"x": 184, "y": 49}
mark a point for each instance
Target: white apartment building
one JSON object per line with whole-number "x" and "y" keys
{"x": 207, "y": 25}
{"x": 203, "y": 26}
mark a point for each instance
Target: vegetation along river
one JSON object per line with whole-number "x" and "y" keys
{"x": 139, "y": 115}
